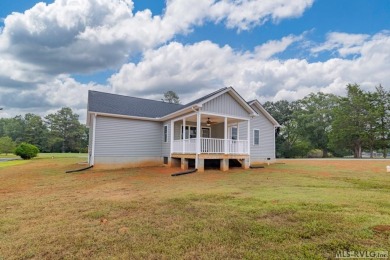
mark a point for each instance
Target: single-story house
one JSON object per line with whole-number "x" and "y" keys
{"x": 221, "y": 126}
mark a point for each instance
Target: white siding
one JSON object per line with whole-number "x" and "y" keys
{"x": 225, "y": 104}
{"x": 127, "y": 141}
{"x": 90, "y": 138}
{"x": 266, "y": 148}
{"x": 166, "y": 146}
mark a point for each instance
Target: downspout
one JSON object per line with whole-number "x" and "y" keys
{"x": 92, "y": 161}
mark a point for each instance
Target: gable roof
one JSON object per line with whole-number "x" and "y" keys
{"x": 199, "y": 100}
{"x": 257, "y": 104}
{"x": 113, "y": 104}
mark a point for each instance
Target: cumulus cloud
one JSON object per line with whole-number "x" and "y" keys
{"x": 41, "y": 48}
{"x": 83, "y": 36}
{"x": 343, "y": 43}
{"x": 270, "y": 48}
{"x": 192, "y": 70}
{"x": 242, "y": 15}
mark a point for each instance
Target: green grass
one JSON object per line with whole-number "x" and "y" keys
{"x": 297, "y": 210}
{"x": 12, "y": 163}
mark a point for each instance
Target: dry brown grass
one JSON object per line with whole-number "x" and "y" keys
{"x": 301, "y": 209}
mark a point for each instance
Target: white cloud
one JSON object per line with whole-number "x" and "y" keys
{"x": 246, "y": 14}
{"x": 192, "y": 70}
{"x": 270, "y": 48}
{"x": 343, "y": 43}
{"x": 41, "y": 48}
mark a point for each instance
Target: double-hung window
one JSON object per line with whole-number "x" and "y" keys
{"x": 256, "y": 137}
{"x": 165, "y": 134}
{"x": 234, "y": 133}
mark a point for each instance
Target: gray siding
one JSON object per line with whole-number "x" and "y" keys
{"x": 266, "y": 148}
{"x": 243, "y": 130}
{"x": 217, "y": 131}
{"x": 127, "y": 141}
{"x": 225, "y": 104}
{"x": 166, "y": 146}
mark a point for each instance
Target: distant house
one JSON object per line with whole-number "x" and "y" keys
{"x": 221, "y": 126}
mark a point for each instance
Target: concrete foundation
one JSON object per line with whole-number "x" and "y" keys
{"x": 224, "y": 165}
{"x": 245, "y": 163}
{"x": 201, "y": 165}
{"x": 184, "y": 164}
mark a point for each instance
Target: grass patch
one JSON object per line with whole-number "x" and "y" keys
{"x": 12, "y": 163}
{"x": 304, "y": 209}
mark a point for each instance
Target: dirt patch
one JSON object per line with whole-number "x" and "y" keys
{"x": 381, "y": 228}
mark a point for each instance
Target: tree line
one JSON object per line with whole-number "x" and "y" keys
{"x": 57, "y": 132}
{"x": 323, "y": 125}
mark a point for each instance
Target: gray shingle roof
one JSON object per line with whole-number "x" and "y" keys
{"x": 102, "y": 102}
{"x": 129, "y": 106}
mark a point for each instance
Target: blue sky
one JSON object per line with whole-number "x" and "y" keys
{"x": 51, "y": 54}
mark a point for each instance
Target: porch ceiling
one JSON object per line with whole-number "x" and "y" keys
{"x": 214, "y": 119}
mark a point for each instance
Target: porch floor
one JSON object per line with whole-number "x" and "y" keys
{"x": 210, "y": 156}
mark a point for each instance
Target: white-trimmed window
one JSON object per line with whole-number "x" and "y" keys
{"x": 234, "y": 132}
{"x": 190, "y": 132}
{"x": 256, "y": 137}
{"x": 165, "y": 133}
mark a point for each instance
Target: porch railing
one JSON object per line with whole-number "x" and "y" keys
{"x": 211, "y": 146}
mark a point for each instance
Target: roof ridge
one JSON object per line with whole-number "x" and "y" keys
{"x": 205, "y": 96}
{"x": 134, "y": 97}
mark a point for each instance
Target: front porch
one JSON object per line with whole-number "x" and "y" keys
{"x": 219, "y": 137}
{"x": 183, "y": 160}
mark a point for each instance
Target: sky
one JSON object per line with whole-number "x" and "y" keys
{"x": 52, "y": 52}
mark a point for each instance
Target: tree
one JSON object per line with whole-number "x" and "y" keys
{"x": 288, "y": 143}
{"x": 14, "y": 128}
{"x": 350, "y": 124}
{"x": 6, "y": 145}
{"x": 171, "y": 97}
{"x": 65, "y": 130}
{"x": 35, "y": 131}
{"x": 381, "y": 110}
{"x": 314, "y": 119}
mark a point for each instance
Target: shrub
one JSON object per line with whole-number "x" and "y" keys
{"x": 315, "y": 153}
{"x": 26, "y": 151}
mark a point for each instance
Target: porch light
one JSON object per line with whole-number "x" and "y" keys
{"x": 208, "y": 123}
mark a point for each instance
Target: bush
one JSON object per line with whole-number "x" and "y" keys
{"x": 315, "y": 153}
{"x": 26, "y": 151}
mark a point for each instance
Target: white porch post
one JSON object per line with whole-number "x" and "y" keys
{"x": 172, "y": 134}
{"x": 249, "y": 137}
{"x": 184, "y": 134}
{"x": 225, "y": 135}
{"x": 198, "y": 130}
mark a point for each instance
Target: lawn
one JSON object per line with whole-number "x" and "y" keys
{"x": 303, "y": 209}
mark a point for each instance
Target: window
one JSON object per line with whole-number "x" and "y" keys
{"x": 190, "y": 132}
{"x": 256, "y": 137}
{"x": 165, "y": 134}
{"x": 234, "y": 133}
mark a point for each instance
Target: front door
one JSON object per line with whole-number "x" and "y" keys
{"x": 205, "y": 132}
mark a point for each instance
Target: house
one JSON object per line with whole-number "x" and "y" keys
{"x": 130, "y": 131}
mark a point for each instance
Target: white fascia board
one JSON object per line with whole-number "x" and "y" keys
{"x": 265, "y": 112}
{"x": 180, "y": 112}
{"x": 125, "y": 116}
